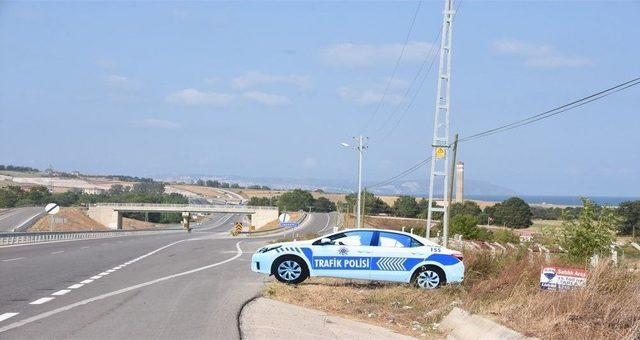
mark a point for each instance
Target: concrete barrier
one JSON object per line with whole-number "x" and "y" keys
{"x": 460, "y": 324}
{"x": 15, "y": 238}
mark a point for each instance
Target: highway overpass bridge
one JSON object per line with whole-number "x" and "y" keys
{"x": 110, "y": 214}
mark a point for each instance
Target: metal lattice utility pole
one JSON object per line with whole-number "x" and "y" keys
{"x": 439, "y": 153}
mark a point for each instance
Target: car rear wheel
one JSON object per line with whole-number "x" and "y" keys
{"x": 429, "y": 277}
{"x": 290, "y": 270}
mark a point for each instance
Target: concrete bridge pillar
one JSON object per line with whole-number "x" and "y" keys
{"x": 262, "y": 217}
{"x": 109, "y": 217}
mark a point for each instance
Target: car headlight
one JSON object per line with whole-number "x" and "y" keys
{"x": 267, "y": 249}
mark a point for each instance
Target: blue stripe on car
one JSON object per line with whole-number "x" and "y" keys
{"x": 443, "y": 259}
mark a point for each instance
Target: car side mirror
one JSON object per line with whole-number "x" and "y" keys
{"x": 325, "y": 241}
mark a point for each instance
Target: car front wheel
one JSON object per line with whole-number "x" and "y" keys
{"x": 291, "y": 270}
{"x": 429, "y": 277}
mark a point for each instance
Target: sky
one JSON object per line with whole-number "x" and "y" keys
{"x": 270, "y": 89}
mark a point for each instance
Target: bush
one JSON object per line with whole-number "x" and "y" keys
{"x": 505, "y": 236}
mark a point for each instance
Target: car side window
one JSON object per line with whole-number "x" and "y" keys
{"x": 394, "y": 240}
{"x": 352, "y": 238}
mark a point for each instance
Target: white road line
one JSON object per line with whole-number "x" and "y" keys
{"x": 41, "y": 301}
{"x": 76, "y": 286}
{"x": 61, "y": 292}
{"x": 57, "y": 252}
{"x": 86, "y": 281}
{"x": 14, "y": 259}
{"x": 328, "y": 220}
{"x": 7, "y": 315}
{"x": 103, "y": 274}
{"x": 111, "y": 270}
{"x": 116, "y": 292}
{"x": 95, "y": 277}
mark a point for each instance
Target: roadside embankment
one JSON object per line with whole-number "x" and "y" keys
{"x": 503, "y": 288}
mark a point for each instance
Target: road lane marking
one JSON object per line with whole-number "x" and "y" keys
{"x": 76, "y": 286}
{"x": 14, "y": 259}
{"x": 328, "y": 220}
{"x": 5, "y": 316}
{"x": 117, "y": 292}
{"x": 57, "y": 252}
{"x": 86, "y": 281}
{"x": 61, "y": 292}
{"x": 41, "y": 301}
{"x": 103, "y": 274}
{"x": 95, "y": 277}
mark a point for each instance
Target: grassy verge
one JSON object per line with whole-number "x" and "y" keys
{"x": 504, "y": 288}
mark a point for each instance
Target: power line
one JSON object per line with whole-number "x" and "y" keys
{"x": 555, "y": 111}
{"x": 395, "y": 68}
{"x": 424, "y": 78}
{"x": 529, "y": 120}
{"x": 406, "y": 172}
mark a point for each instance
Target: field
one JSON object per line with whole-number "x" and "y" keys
{"x": 503, "y": 288}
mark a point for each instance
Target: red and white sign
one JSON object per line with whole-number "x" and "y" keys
{"x": 558, "y": 278}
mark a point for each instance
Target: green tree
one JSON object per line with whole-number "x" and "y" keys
{"x": 505, "y": 235}
{"x": 116, "y": 189}
{"x": 323, "y": 204}
{"x": 371, "y": 206}
{"x": 630, "y": 212}
{"x": 589, "y": 234}
{"x": 37, "y": 195}
{"x": 9, "y": 196}
{"x": 406, "y": 206}
{"x": 296, "y": 199}
{"x": 515, "y": 213}
{"x": 467, "y": 226}
{"x": 148, "y": 188}
{"x": 465, "y": 208}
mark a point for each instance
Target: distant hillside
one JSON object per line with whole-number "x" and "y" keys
{"x": 406, "y": 187}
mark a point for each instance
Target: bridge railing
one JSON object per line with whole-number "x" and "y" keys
{"x": 185, "y": 206}
{"x": 49, "y": 236}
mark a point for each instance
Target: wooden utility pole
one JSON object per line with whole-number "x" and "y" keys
{"x": 452, "y": 172}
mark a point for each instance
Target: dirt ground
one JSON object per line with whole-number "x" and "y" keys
{"x": 76, "y": 219}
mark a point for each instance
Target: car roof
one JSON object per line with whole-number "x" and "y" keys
{"x": 387, "y": 230}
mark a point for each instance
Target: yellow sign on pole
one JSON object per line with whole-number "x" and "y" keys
{"x": 238, "y": 228}
{"x": 440, "y": 152}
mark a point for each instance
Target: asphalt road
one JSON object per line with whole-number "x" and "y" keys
{"x": 14, "y": 217}
{"x": 175, "y": 285}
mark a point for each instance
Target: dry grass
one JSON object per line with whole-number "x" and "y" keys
{"x": 394, "y": 222}
{"x": 75, "y": 219}
{"x": 504, "y": 288}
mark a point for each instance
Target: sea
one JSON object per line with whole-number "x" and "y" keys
{"x": 557, "y": 200}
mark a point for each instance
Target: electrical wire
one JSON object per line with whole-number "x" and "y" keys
{"x": 395, "y": 68}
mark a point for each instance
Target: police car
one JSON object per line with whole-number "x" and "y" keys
{"x": 368, "y": 254}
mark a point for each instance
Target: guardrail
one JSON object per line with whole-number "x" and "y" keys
{"x": 185, "y": 206}
{"x": 38, "y": 237}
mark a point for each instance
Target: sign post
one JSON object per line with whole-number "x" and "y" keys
{"x": 51, "y": 209}
{"x": 558, "y": 278}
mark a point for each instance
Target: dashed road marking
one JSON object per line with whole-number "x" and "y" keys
{"x": 117, "y": 292}
{"x": 57, "y": 252}
{"x": 95, "y": 277}
{"x": 14, "y": 259}
{"x": 41, "y": 301}
{"x": 86, "y": 281}
{"x": 7, "y": 315}
{"x": 76, "y": 286}
{"x": 103, "y": 274}
{"x": 61, "y": 292}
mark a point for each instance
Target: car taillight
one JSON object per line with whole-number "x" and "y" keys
{"x": 458, "y": 256}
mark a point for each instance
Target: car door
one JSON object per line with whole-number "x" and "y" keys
{"x": 394, "y": 256}
{"x": 347, "y": 256}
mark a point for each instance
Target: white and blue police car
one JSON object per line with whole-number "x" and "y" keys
{"x": 368, "y": 254}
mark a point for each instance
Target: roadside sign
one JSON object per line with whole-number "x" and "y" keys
{"x": 52, "y": 208}
{"x": 440, "y": 152}
{"x": 284, "y": 217}
{"x": 238, "y": 227}
{"x": 289, "y": 224}
{"x": 558, "y": 278}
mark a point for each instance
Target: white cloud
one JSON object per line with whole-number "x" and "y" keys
{"x": 158, "y": 123}
{"x": 309, "y": 162}
{"x": 365, "y": 55}
{"x": 374, "y": 95}
{"x": 544, "y": 56}
{"x": 266, "y": 98}
{"x": 193, "y": 97}
{"x": 252, "y": 79}
{"x": 117, "y": 82}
